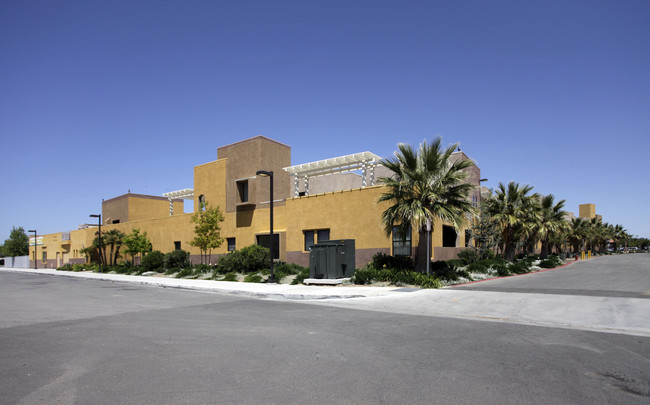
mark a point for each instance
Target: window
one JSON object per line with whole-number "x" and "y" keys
{"x": 449, "y": 236}
{"x": 44, "y": 257}
{"x": 201, "y": 202}
{"x": 231, "y": 244}
{"x": 401, "y": 243}
{"x": 116, "y": 221}
{"x": 321, "y": 236}
{"x": 264, "y": 240}
{"x": 242, "y": 187}
{"x": 309, "y": 239}
{"x": 177, "y": 245}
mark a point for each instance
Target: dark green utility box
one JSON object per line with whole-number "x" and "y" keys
{"x": 332, "y": 259}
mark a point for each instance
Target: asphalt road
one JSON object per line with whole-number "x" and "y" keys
{"x": 626, "y": 275}
{"x": 71, "y": 341}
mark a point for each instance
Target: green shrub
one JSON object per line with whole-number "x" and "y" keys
{"x": 444, "y": 270}
{"x": 253, "y": 278}
{"x": 78, "y": 267}
{"x": 171, "y": 270}
{"x": 425, "y": 281}
{"x": 304, "y": 273}
{"x": 363, "y": 276}
{"x": 229, "y": 277}
{"x": 177, "y": 258}
{"x": 487, "y": 254}
{"x": 384, "y": 261}
{"x": 502, "y": 271}
{"x": 186, "y": 272}
{"x": 468, "y": 256}
{"x": 480, "y": 266}
{"x": 250, "y": 259}
{"x": 121, "y": 269}
{"x": 456, "y": 263}
{"x": 202, "y": 268}
{"x": 289, "y": 268}
{"x": 499, "y": 265}
{"x": 153, "y": 260}
{"x": 65, "y": 267}
{"x": 369, "y": 274}
{"x": 551, "y": 262}
{"x": 520, "y": 267}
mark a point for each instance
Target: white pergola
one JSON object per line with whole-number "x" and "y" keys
{"x": 343, "y": 164}
{"x": 185, "y": 194}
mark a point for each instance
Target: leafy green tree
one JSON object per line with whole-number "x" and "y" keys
{"x": 136, "y": 244}
{"x": 510, "y": 209}
{"x": 484, "y": 233}
{"x": 207, "y": 230}
{"x": 17, "y": 244}
{"x": 425, "y": 185}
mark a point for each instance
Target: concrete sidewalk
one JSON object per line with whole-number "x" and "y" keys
{"x": 258, "y": 290}
{"x": 603, "y": 314}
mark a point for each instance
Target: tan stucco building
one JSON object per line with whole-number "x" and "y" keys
{"x": 329, "y": 199}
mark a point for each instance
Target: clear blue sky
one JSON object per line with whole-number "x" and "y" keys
{"x": 101, "y": 97}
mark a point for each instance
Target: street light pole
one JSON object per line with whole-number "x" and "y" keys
{"x": 429, "y": 227}
{"x": 270, "y": 175}
{"x": 99, "y": 219}
{"x": 35, "y": 256}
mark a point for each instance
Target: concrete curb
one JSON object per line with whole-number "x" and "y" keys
{"x": 256, "y": 290}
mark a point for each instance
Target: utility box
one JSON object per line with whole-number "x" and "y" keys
{"x": 332, "y": 259}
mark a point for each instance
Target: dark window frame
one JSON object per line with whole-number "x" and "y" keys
{"x": 309, "y": 236}
{"x": 276, "y": 243}
{"x": 242, "y": 191}
{"x": 402, "y": 245}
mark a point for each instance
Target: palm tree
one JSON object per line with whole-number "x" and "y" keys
{"x": 425, "y": 185}
{"x": 551, "y": 222}
{"x": 113, "y": 238}
{"x": 579, "y": 233}
{"x": 510, "y": 209}
{"x": 619, "y": 235}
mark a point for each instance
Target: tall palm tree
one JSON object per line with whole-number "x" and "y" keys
{"x": 510, "y": 209}
{"x": 579, "y": 233}
{"x": 425, "y": 185}
{"x": 113, "y": 238}
{"x": 619, "y": 236}
{"x": 550, "y": 222}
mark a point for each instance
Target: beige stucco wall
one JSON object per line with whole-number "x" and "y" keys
{"x": 587, "y": 211}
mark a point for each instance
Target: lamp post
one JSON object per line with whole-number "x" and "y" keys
{"x": 270, "y": 175}
{"x": 99, "y": 220}
{"x": 35, "y": 256}
{"x": 429, "y": 227}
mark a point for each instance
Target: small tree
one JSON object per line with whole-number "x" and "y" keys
{"x": 207, "y": 230}
{"x": 17, "y": 244}
{"x": 136, "y": 243}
